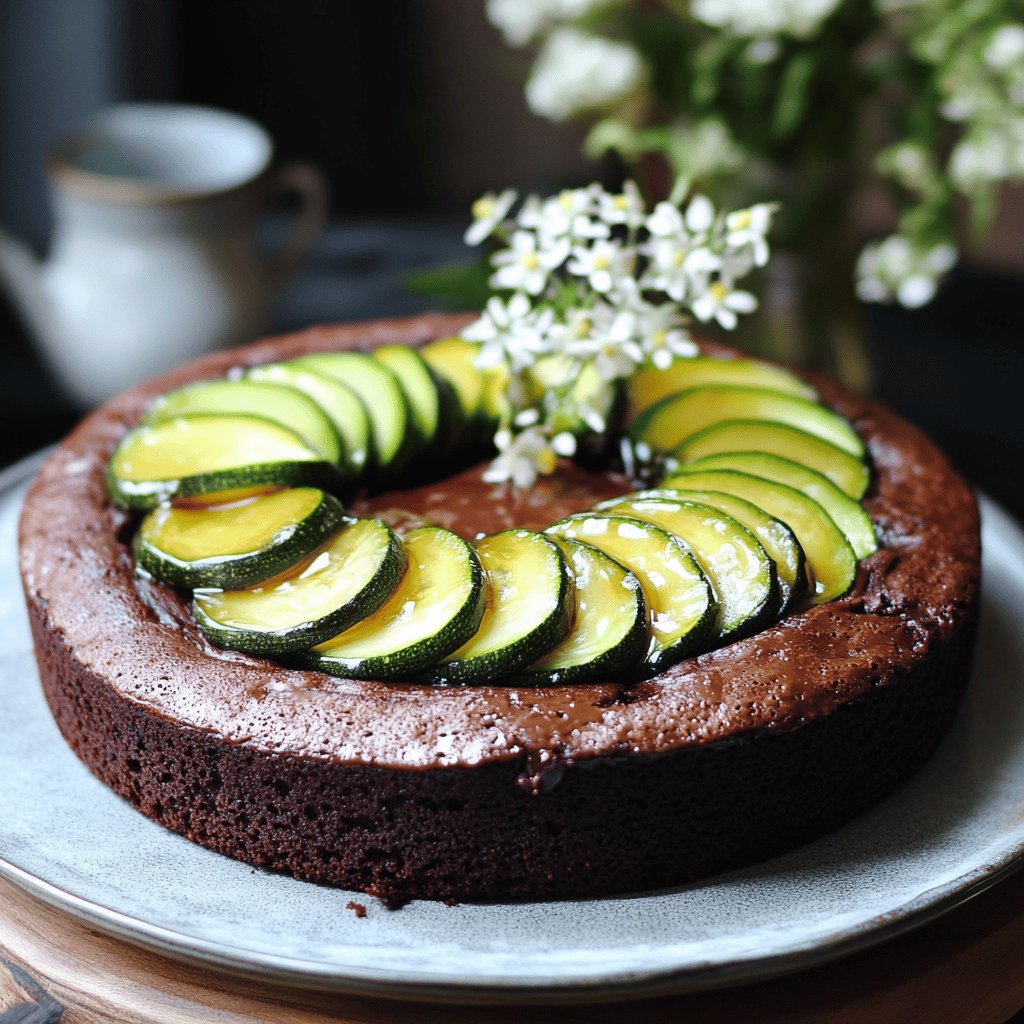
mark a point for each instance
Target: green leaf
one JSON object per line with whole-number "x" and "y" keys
{"x": 794, "y": 94}
{"x": 462, "y": 286}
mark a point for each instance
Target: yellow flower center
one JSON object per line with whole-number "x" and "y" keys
{"x": 741, "y": 220}
{"x": 602, "y": 262}
{"x": 530, "y": 260}
{"x": 583, "y": 328}
{"x": 678, "y": 256}
{"x": 621, "y": 202}
{"x": 546, "y": 460}
{"x": 483, "y": 208}
{"x": 658, "y": 338}
{"x": 718, "y": 291}
{"x": 565, "y": 200}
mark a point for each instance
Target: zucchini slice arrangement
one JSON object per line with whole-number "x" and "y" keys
{"x": 241, "y": 482}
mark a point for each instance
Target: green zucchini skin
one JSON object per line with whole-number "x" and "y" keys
{"x": 623, "y": 651}
{"x": 496, "y": 665}
{"x": 145, "y": 495}
{"x": 307, "y": 634}
{"x": 423, "y": 654}
{"x": 233, "y": 572}
{"x": 426, "y": 411}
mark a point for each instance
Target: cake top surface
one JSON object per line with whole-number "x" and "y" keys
{"x": 141, "y": 637}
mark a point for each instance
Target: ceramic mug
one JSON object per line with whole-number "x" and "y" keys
{"x": 154, "y": 257}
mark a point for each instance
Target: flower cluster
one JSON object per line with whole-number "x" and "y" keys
{"x": 780, "y": 88}
{"x": 594, "y": 285}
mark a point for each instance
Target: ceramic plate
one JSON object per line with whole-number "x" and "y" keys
{"x": 953, "y": 830}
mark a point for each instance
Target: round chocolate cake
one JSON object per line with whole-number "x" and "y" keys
{"x": 487, "y": 792}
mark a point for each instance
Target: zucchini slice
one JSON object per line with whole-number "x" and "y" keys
{"x": 422, "y": 392}
{"x": 529, "y": 601}
{"x": 343, "y": 581}
{"x": 338, "y": 401}
{"x": 649, "y": 385}
{"x": 454, "y": 361}
{"x": 845, "y": 512}
{"x": 235, "y": 545}
{"x": 196, "y": 455}
{"x": 277, "y": 402}
{"x": 742, "y": 575}
{"x": 777, "y": 539}
{"x": 664, "y": 425}
{"x": 679, "y": 601}
{"x": 831, "y": 562}
{"x": 842, "y": 468}
{"x": 436, "y": 608}
{"x": 381, "y": 394}
{"x": 609, "y": 631}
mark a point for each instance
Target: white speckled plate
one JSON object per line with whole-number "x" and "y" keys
{"x": 952, "y": 831}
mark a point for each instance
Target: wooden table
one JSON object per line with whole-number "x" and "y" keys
{"x": 967, "y": 967}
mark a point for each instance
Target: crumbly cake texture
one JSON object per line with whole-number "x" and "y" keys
{"x": 493, "y": 792}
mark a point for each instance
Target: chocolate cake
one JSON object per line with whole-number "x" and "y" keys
{"x": 499, "y": 792}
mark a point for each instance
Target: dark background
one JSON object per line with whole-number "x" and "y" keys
{"x": 412, "y": 109}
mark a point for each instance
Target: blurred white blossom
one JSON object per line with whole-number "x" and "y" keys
{"x": 576, "y": 71}
{"x": 527, "y": 263}
{"x": 522, "y": 20}
{"x": 896, "y": 269}
{"x": 488, "y": 213}
{"x": 755, "y": 18}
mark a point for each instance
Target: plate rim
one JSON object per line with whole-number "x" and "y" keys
{"x": 425, "y": 986}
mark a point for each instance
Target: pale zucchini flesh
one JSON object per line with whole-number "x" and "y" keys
{"x": 435, "y": 608}
{"x": 381, "y": 394}
{"x": 338, "y": 401}
{"x": 279, "y": 402}
{"x": 235, "y": 544}
{"x": 343, "y": 581}
{"x": 665, "y": 425}
{"x": 418, "y": 386}
{"x": 679, "y": 601}
{"x": 454, "y": 360}
{"x": 845, "y": 512}
{"x": 608, "y": 633}
{"x": 529, "y": 600}
{"x": 831, "y": 562}
{"x": 842, "y": 468}
{"x": 741, "y": 574}
{"x": 198, "y": 455}
{"x": 649, "y": 385}
{"x": 777, "y": 539}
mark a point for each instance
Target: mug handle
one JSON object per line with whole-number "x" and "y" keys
{"x": 307, "y": 182}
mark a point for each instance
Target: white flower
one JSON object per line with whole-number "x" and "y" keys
{"x": 575, "y": 72}
{"x": 722, "y": 303}
{"x": 522, "y": 20}
{"x": 699, "y": 215}
{"x": 526, "y": 266}
{"x": 603, "y": 263}
{"x": 666, "y": 221}
{"x": 627, "y": 207}
{"x": 488, "y": 212}
{"x": 756, "y": 18}
{"x": 567, "y": 215}
{"x": 747, "y": 229}
{"x": 666, "y": 271}
{"x": 1006, "y": 47}
{"x": 661, "y": 335}
{"x": 897, "y": 269}
{"x": 523, "y": 456}
{"x": 512, "y": 333}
